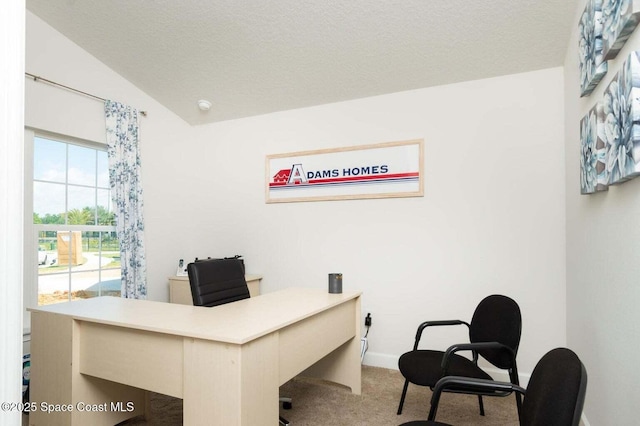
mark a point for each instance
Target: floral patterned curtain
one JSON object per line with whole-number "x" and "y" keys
{"x": 126, "y": 193}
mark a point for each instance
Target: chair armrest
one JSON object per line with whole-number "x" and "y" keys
{"x": 479, "y": 385}
{"x": 475, "y": 347}
{"x": 426, "y": 324}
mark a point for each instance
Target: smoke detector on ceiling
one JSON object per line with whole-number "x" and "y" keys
{"x": 204, "y": 105}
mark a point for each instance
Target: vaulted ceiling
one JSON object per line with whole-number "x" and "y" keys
{"x": 256, "y": 57}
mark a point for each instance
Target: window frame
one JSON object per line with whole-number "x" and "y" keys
{"x": 31, "y": 230}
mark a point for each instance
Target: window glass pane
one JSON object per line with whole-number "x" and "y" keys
{"x": 110, "y": 252}
{"x": 110, "y": 243}
{"x": 49, "y": 160}
{"x": 91, "y": 284}
{"x": 81, "y": 205}
{"x": 105, "y": 213}
{"x": 47, "y": 242}
{"x": 53, "y": 275}
{"x": 82, "y": 165}
{"x": 77, "y": 265}
{"x": 103, "y": 170}
{"x": 99, "y": 275}
{"x": 69, "y": 248}
{"x": 48, "y": 203}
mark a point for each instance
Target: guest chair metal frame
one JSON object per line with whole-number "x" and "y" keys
{"x": 494, "y": 334}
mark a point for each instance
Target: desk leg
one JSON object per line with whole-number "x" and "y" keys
{"x": 342, "y": 365}
{"x": 57, "y": 384}
{"x": 231, "y": 385}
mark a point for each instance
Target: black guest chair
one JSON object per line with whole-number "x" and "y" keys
{"x": 494, "y": 334}
{"x": 215, "y": 282}
{"x": 554, "y": 397}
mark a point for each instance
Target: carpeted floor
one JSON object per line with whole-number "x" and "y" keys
{"x": 318, "y": 403}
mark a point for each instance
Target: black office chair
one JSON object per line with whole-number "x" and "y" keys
{"x": 215, "y": 282}
{"x": 554, "y": 397}
{"x": 494, "y": 334}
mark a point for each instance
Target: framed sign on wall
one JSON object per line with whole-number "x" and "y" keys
{"x": 385, "y": 170}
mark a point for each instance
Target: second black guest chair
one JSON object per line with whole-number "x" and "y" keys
{"x": 215, "y": 282}
{"x": 554, "y": 397}
{"x": 494, "y": 334}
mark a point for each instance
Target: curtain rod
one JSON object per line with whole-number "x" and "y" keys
{"x": 38, "y": 78}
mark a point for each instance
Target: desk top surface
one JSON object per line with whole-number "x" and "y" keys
{"x": 238, "y": 322}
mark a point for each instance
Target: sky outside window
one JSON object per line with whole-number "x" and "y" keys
{"x": 83, "y": 169}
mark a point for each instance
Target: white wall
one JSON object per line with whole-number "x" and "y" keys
{"x": 602, "y": 265}
{"x": 491, "y": 220}
{"x": 11, "y": 206}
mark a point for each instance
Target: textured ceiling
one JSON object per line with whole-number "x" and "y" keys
{"x": 257, "y": 57}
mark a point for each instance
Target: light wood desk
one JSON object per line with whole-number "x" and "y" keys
{"x": 180, "y": 290}
{"x": 226, "y": 363}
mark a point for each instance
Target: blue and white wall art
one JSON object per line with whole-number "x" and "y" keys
{"x": 592, "y": 64}
{"x": 619, "y": 19}
{"x": 621, "y": 106}
{"x": 594, "y": 176}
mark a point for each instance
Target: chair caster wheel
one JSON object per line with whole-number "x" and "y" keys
{"x": 287, "y": 405}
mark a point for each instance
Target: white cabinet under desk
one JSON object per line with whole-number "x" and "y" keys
{"x": 180, "y": 291}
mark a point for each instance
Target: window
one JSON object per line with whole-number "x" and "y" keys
{"x": 74, "y": 236}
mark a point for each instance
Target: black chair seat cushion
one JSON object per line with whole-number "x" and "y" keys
{"x": 422, "y": 367}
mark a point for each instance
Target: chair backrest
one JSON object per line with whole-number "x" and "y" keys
{"x": 556, "y": 390}
{"x": 497, "y": 319}
{"x": 217, "y": 281}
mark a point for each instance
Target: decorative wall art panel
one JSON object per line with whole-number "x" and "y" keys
{"x": 593, "y": 152}
{"x": 619, "y": 19}
{"x": 592, "y": 64}
{"x": 386, "y": 170}
{"x": 621, "y": 107}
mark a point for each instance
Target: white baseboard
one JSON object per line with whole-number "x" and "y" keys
{"x": 583, "y": 420}
{"x": 377, "y": 359}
